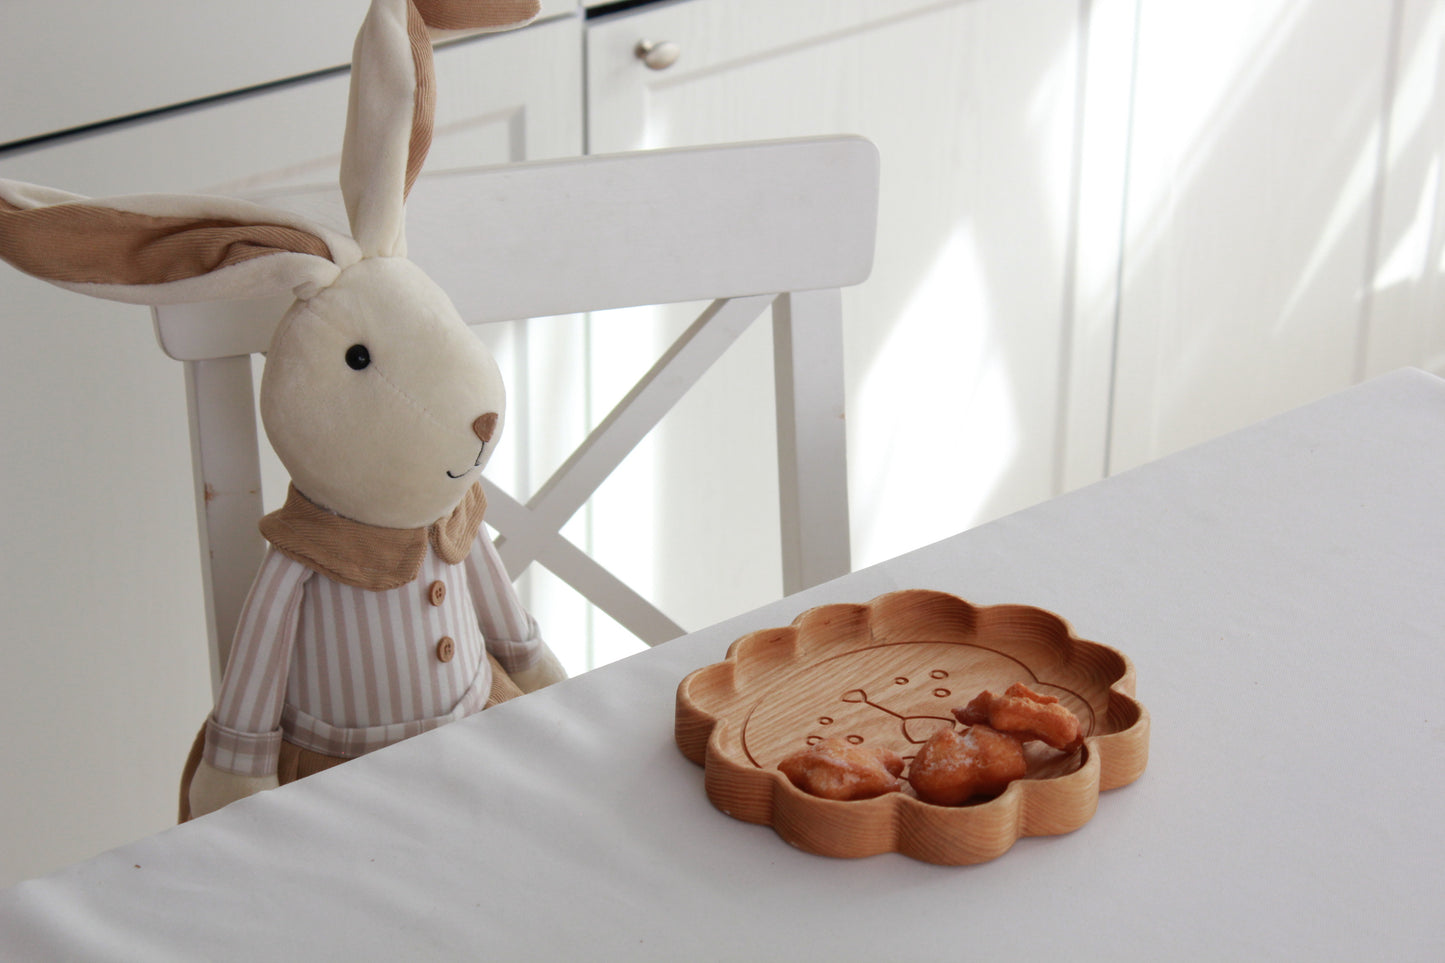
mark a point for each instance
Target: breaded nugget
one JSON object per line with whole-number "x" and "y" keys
{"x": 1025, "y": 714}
{"x": 976, "y": 712}
{"x": 953, "y": 766}
{"x": 835, "y": 769}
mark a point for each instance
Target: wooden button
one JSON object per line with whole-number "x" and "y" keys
{"x": 446, "y": 648}
{"x": 436, "y": 593}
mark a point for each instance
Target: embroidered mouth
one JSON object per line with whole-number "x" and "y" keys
{"x": 475, "y": 465}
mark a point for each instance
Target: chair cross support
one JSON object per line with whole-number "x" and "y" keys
{"x": 808, "y": 378}
{"x": 797, "y": 216}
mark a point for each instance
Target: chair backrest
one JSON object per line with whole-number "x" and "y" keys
{"x": 784, "y": 224}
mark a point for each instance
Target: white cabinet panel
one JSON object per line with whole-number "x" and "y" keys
{"x": 103, "y": 680}
{"x": 953, "y": 346}
{"x": 493, "y": 106}
{"x": 74, "y": 62}
{"x": 1106, "y": 77}
{"x": 1251, "y": 194}
{"x": 1407, "y": 290}
{"x": 70, "y": 63}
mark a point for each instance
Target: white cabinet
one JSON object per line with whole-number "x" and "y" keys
{"x": 956, "y": 344}
{"x": 1108, "y": 230}
{"x": 1254, "y": 179}
{"x": 69, "y": 63}
{"x": 1407, "y": 280}
{"x": 104, "y": 678}
{"x": 494, "y": 105}
{"x": 72, "y": 63}
{"x": 1282, "y": 238}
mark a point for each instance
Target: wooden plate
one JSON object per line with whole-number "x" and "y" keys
{"x": 888, "y": 673}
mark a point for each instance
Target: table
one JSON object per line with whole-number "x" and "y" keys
{"x": 1279, "y": 590}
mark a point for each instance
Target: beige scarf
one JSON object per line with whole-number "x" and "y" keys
{"x": 368, "y": 556}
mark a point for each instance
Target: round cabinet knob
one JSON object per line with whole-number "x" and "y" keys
{"x": 657, "y": 54}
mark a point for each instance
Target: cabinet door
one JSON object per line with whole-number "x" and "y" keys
{"x": 1407, "y": 286}
{"x": 108, "y": 671}
{"x": 71, "y": 63}
{"x": 954, "y": 347}
{"x": 1253, "y": 178}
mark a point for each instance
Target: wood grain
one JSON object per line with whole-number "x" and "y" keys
{"x": 888, "y": 674}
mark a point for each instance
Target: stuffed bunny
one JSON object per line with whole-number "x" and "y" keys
{"x": 381, "y": 608}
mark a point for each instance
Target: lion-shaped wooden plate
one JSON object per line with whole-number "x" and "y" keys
{"x": 888, "y": 673}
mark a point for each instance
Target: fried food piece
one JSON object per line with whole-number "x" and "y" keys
{"x": 953, "y": 767}
{"x": 1025, "y": 714}
{"x": 836, "y": 769}
{"x": 976, "y": 712}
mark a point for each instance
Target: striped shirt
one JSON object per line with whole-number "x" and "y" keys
{"x": 343, "y": 670}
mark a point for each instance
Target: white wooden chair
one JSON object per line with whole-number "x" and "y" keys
{"x": 784, "y": 224}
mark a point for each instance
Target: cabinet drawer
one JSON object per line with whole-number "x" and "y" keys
{"x": 71, "y": 63}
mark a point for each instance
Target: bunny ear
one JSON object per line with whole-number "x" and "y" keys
{"x": 388, "y": 124}
{"x": 472, "y": 15}
{"x": 393, "y": 100}
{"x": 164, "y": 249}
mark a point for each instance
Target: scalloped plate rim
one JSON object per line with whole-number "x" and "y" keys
{"x": 694, "y": 726}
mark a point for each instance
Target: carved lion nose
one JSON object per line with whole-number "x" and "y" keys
{"x": 485, "y": 426}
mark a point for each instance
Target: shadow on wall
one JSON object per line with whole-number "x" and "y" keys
{"x": 1283, "y": 166}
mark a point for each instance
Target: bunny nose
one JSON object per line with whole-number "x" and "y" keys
{"x": 485, "y": 426}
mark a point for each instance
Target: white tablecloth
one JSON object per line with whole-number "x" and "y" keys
{"x": 1279, "y": 590}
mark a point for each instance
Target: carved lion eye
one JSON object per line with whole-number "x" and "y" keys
{"x": 358, "y": 357}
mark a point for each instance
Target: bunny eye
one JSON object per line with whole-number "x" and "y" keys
{"x": 358, "y": 357}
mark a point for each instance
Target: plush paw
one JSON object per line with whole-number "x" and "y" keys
{"x": 212, "y": 788}
{"x": 545, "y": 671}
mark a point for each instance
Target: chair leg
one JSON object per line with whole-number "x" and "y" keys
{"x": 228, "y": 493}
{"x": 812, "y": 437}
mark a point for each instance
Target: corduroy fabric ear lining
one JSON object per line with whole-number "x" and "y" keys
{"x": 93, "y": 244}
{"x": 471, "y": 15}
{"x": 423, "y": 98}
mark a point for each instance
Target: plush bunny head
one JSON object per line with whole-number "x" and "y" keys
{"x": 378, "y": 399}
{"x": 380, "y": 402}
